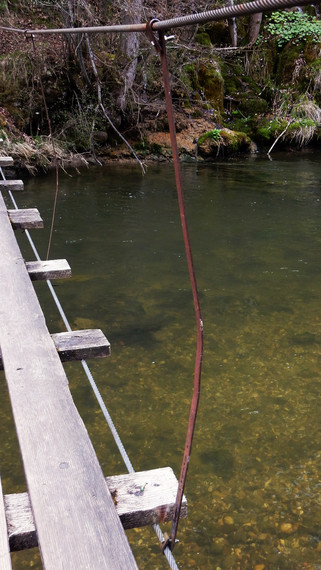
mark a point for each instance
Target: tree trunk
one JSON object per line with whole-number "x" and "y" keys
{"x": 130, "y": 42}
{"x": 254, "y": 28}
{"x": 232, "y": 26}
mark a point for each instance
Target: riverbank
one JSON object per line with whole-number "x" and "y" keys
{"x": 228, "y": 100}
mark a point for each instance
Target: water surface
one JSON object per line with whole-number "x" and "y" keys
{"x": 254, "y": 488}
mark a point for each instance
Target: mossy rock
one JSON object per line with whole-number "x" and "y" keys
{"x": 269, "y": 128}
{"x": 190, "y": 76}
{"x": 227, "y": 143}
{"x": 238, "y": 122}
{"x": 205, "y": 81}
{"x": 212, "y": 84}
{"x": 212, "y": 136}
{"x": 235, "y": 141}
{"x": 286, "y": 62}
{"x": 236, "y": 81}
{"x": 250, "y": 105}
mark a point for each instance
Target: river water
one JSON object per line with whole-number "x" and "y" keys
{"x": 254, "y": 486}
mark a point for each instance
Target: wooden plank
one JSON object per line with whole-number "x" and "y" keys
{"x": 50, "y": 269}
{"x": 5, "y": 558}
{"x": 74, "y": 513}
{"x": 15, "y": 185}
{"x": 26, "y": 219}
{"x": 146, "y": 497}
{"x": 141, "y": 499}
{"x": 80, "y": 345}
{"x": 6, "y": 161}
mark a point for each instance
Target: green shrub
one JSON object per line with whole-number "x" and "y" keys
{"x": 293, "y": 27}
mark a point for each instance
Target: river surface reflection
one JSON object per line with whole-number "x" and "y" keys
{"x": 254, "y": 487}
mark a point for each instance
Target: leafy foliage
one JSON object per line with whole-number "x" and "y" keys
{"x": 213, "y": 135}
{"x": 293, "y": 27}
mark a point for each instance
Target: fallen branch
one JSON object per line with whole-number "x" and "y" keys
{"x": 279, "y": 137}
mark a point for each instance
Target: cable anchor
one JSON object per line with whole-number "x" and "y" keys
{"x": 167, "y": 542}
{"x": 151, "y": 35}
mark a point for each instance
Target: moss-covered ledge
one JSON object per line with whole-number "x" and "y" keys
{"x": 226, "y": 142}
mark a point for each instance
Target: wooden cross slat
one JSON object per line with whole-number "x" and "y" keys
{"x": 141, "y": 499}
{"x": 5, "y": 558}
{"x": 15, "y": 185}
{"x": 25, "y": 219}
{"x": 50, "y": 269}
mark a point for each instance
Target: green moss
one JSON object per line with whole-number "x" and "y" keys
{"x": 203, "y": 38}
{"x": 301, "y": 123}
{"x": 223, "y": 142}
{"x": 218, "y": 33}
{"x": 316, "y": 64}
{"x": 286, "y": 63}
{"x": 269, "y": 128}
{"x": 213, "y": 135}
{"x": 190, "y": 76}
{"x": 205, "y": 83}
{"x": 253, "y": 105}
{"x": 235, "y": 141}
{"x": 240, "y": 123}
{"x": 212, "y": 84}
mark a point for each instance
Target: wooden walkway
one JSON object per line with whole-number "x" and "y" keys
{"x": 70, "y": 508}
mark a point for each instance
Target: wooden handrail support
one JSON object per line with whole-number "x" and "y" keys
{"x": 141, "y": 499}
{"x": 76, "y": 520}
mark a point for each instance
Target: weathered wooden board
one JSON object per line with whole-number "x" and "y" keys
{"x": 5, "y": 558}
{"x": 50, "y": 269}
{"x": 80, "y": 345}
{"x": 146, "y": 497}
{"x": 74, "y": 513}
{"x": 6, "y": 161}
{"x": 141, "y": 499}
{"x": 27, "y": 219}
{"x": 15, "y": 185}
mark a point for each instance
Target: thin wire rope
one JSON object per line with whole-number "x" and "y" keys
{"x": 125, "y": 457}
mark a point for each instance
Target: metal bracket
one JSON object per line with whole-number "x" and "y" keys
{"x": 166, "y": 542}
{"x": 151, "y": 35}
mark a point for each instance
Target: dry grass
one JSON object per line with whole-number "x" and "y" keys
{"x": 37, "y": 154}
{"x": 307, "y": 109}
{"x": 307, "y": 119}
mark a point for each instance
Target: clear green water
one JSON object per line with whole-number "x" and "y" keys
{"x": 254, "y": 485}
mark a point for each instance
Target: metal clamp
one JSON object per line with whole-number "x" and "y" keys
{"x": 151, "y": 36}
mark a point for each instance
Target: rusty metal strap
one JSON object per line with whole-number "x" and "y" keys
{"x": 161, "y": 47}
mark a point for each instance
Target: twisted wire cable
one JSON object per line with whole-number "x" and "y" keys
{"x": 236, "y": 10}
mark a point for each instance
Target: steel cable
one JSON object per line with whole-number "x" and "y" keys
{"x": 228, "y": 12}
{"x": 199, "y": 18}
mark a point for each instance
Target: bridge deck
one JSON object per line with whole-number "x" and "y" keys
{"x": 74, "y": 513}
